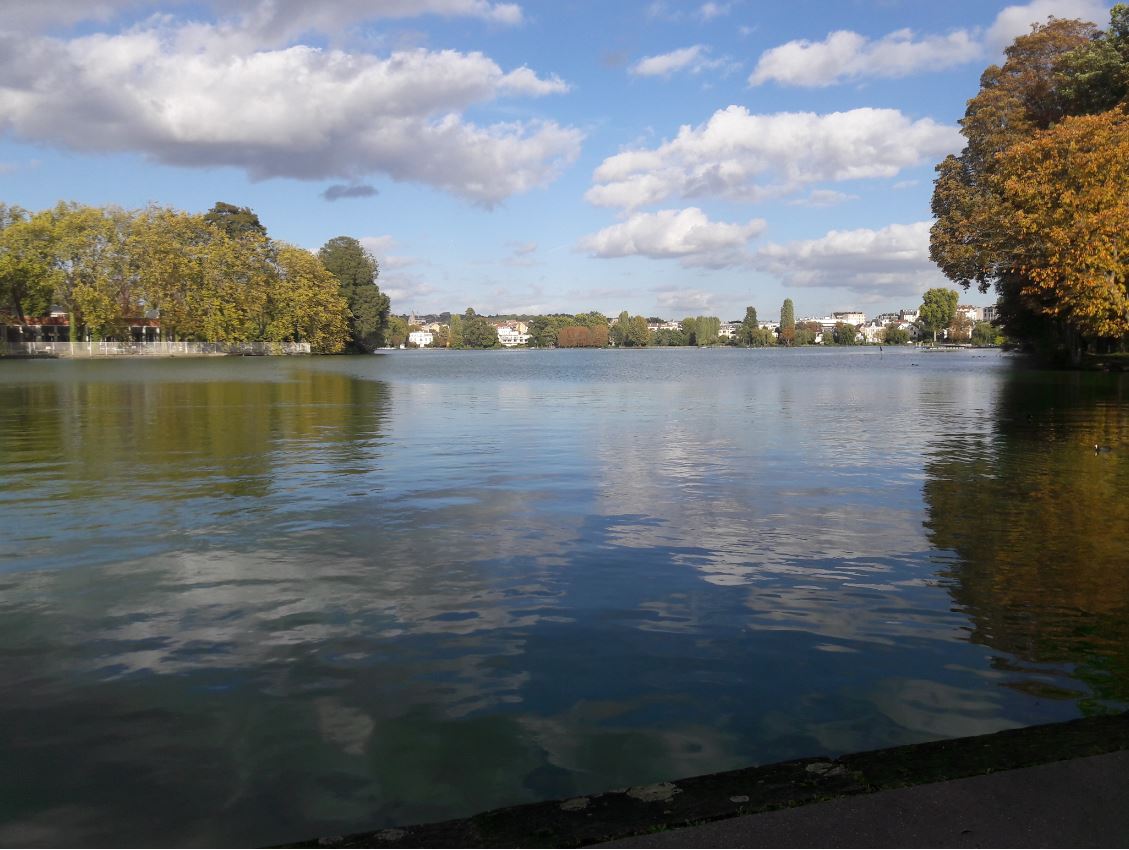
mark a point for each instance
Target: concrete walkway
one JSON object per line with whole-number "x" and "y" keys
{"x": 1077, "y": 803}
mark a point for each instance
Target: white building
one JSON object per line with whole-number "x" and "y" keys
{"x": 973, "y": 314}
{"x": 728, "y": 330}
{"x": 850, "y": 317}
{"x": 421, "y": 338}
{"x": 873, "y": 332}
{"x": 510, "y": 336}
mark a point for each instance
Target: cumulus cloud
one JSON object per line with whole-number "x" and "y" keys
{"x": 1017, "y": 20}
{"x": 742, "y": 156}
{"x": 846, "y": 55}
{"x": 192, "y": 95}
{"x": 892, "y": 260}
{"x": 687, "y": 235}
{"x": 352, "y": 190}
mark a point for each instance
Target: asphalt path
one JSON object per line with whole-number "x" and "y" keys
{"x": 1081, "y": 802}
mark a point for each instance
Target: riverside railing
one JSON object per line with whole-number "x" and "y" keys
{"x": 151, "y": 349}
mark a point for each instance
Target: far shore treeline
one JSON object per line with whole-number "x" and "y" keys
{"x": 214, "y": 276}
{"x": 937, "y": 315}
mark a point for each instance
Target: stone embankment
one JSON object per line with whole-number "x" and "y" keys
{"x": 720, "y": 801}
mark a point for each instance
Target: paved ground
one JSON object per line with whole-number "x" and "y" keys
{"x": 1077, "y": 803}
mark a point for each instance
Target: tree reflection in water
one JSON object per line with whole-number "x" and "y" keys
{"x": 1039, "y": 523}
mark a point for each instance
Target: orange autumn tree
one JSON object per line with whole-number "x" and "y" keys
{"x": 1066, "y": 207}
{"x": 1061, "y": 70}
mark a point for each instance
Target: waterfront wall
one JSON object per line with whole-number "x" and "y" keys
{"x": 149, "y": 349}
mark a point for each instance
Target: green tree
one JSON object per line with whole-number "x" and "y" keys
{"x": 27, "y": 273}
{"x": 748, "y": 332}
{"x": 1095, "y": 77}
{"x": 455, "y": 332}
{"x": 844, "y": 334}
{"x": 307, "y": 303}
{"x": 669, "y": 337}
{"x": 985, "y": 334}
{"x": 937, "y": 310}
{"x": 806, "y": 333}
{"x": 893, "y": 335}
{"x": 92, "y": 283}
{"x": 167, "y": 249}
{"x": 787, "y": 323}
{"x": 619, "y": 330}
{"x": 396, "y": 333}
{"x": 234, "y": 221}
{"x": 477, "y": 332}
{"x": 356, "y": 271}
{"x": 239, "y": 276}
{"x": 638, "y": 334}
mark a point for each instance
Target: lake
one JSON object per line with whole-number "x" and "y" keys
{"x": 257, "y": 600}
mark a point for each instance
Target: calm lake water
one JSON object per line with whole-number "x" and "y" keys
{"x": 258, "y": 600}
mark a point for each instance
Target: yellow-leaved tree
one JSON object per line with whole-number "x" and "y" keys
{"x": 307, "y": 303}
{"x": 1066, "y": 205}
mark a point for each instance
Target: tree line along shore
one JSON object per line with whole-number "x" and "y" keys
{"x": 215, "y": 276}
{"x": 938, "y": 317}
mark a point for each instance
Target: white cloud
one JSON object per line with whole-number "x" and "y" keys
{"x": 521, "y": 255}
{"x": 685, "y": 301}
{"x": 823, "y": 198}
{"x": 742, "y": 156}
{"x": 525, "y": 81}
{"x": 846, "y": 55}
{"x": 687, "y": 235}
{"x": 694, "y": 59}
{"x": 1017, "y": 20}
{"x": 192, "y": 95}
{"x": 279, "y": 18}
{"x": 382, "y": 247}
{"x": 893, "y": 260}
{"x": 399, "y": 277}
{"x": 709, "y": 11}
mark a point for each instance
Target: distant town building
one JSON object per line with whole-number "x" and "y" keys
{"x": 973, "y": 314}
{"x": 850, "y": 317}
{"x": 421, "y": 338}
{"x": 511, "y": 334}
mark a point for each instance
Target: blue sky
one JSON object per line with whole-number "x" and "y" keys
{"x": 666, "y": 158}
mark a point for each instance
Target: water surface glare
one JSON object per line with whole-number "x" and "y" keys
{"x": 251, "y": 601}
